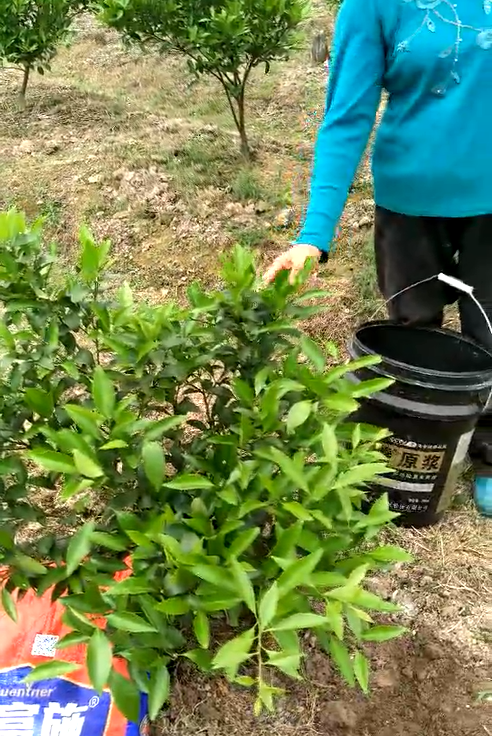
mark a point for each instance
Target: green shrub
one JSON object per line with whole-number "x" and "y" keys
{"x": 226, "y": 39}
{"x": 202, "y": 450}
{"x": 31, "y": 32}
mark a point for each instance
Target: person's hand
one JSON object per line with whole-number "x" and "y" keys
{"x": 292, "y": 260}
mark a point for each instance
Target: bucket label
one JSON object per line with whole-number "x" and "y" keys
{"x": 54, "y": 707}
{"x": 414, "y": 462}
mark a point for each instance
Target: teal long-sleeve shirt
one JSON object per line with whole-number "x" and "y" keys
{"x": 433, "y": 149}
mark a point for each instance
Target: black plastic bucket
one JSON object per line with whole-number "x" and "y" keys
{"x": 442, "y": 384}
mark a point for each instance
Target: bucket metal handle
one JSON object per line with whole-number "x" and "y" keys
{"x": 456, "y": 284}
{"x": 451, "y": 281}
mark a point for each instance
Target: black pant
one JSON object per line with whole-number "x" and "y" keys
{"x": 411, "y": 249}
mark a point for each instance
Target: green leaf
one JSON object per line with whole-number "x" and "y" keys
{"x": 214, "y": 575}
{"x": 313, "y": 352}
{"x": 8, "y": 604}
{"x": 286, "y": 540}
{"x": 268, "y": 605}
{"x": 201, "y": 658}
{"x": 201, "y": 627}
{"x": 380, "y": 512}
{"x": 156, "y": 430}
{"x": 244, "y": 586}
{"x": 383, "y": 633}
{"x": 235, "y": 651}
{"x": 345, "y": 593}
{"x": 265, "y": 697}
{"x": 300, "y": 621}
{"x": 73, "y": 639}
{"x": 341, "y": 657}
{"x": 51, "y": 670}
{"x": 79, "y": 547}
{"x": 287, "y": 663}
{"x": 110, "y": 541}
{"x": 99, "y": 659}
{"x": 389, "y": 553}
{"x": 322, "y": 518}
{"x": 86, "y": 466}
{"x": 355, "y": 621}
{"x": 28, "y": 565}
{"x": 125, "y": 695}
{"x": 365, "y": 599}
{"x": 329, "y": 443}
{"x": 72, "y": 486}
{"x": 289, "y": 468}
{"x": 40, "y": 401}
{"x": 130, "y": 586}
{"x": 243, "y": 541}
{"x": 86, "y": 419}
{"x": 361, "y": 671}
{"x": 130, "y": 622}
{"x": 341, "y": 404}
{"x": 245, "y": 681}
{"x": 103, "y": 392}
{"x": 356, "y": 436}
{"x": 114, "y": 445}
{"x": 154, "y": 463}
{"x": 360, "y": 474}
{"x": 297, "y": 510}
{"x": 159, "y": 687}
{"x": 189, "y": 483}
{"x": 173, "y": 606}
{"x": 53, "y": 462}
{"x": 288, "y": 640}
{"x": 78, "y": 621}
{"x": 298, "y": 572}
{"x": 357, "y": 575}
{"x": 298, "y": 414}
{"x": 334, "y": 616}
{"x": 371, "y": 387}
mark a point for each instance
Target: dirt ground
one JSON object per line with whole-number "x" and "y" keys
{"x": 425, "y": 684}
{"x": 128, "y": 144}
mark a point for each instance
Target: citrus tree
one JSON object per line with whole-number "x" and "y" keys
{"x": 226, "y": 39}
{"x": 201, "y": 452}
{"x": 31, "y": 32}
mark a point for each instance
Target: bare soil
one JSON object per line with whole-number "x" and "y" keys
{"x": 128, "y": 144}
{"x": 419, "y": 687}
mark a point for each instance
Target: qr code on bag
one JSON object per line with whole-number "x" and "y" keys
{"x": 44, "y": 645}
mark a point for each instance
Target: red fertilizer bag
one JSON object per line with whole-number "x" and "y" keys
{"x": 57, "y": 706}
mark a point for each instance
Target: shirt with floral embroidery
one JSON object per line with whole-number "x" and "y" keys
{"x": 433, "y": 149}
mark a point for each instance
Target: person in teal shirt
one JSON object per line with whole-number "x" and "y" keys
{"x": 432, "y": 161}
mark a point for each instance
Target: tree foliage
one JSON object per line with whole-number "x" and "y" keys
{"x": 226, "y": 39}
{"x": 31, "y": 32}
{"x": 202, "y": 452}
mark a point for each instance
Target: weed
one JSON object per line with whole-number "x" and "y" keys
{"x": 246, "y": 186}
{"x": 365, "y": 277}
{"x": 52, "y": 211}
{"x": 251, "y": 237}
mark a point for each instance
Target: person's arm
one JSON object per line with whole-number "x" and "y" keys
{"x": 353, "y": 97}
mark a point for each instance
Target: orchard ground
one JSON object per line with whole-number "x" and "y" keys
{"x": 149, "y": 159}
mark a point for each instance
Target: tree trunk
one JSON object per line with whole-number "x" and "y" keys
{"x": 236, "y": 104}
{"x": 241, "y": 125}
{"x": 23, "y": 90}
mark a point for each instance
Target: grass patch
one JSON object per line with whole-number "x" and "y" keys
{"x": 246, "y": 186}
{"x": 202, "y": 161}
{"x": 51, "y": 210}
{"x": 251, "y": 237}
{"x": 366, "y": 283}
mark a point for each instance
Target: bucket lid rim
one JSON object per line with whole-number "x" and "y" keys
{"x": 450, "y": 375}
